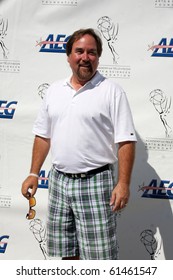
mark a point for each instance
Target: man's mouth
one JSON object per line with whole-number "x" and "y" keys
{"x": 85, "y": 65}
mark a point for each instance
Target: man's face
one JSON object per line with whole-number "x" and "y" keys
{"x": 84, "y": 59}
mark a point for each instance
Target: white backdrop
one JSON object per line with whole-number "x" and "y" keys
{"x": 138, "y": 54}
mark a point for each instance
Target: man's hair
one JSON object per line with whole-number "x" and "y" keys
{"x": 79, "y": 34}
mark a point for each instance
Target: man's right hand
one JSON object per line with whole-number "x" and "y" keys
{"x": 29, "y": 186}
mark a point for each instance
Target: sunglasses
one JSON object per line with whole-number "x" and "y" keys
{"x": 31, "y": 213}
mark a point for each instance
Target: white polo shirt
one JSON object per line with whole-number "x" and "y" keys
{"x": 85, "y": 125}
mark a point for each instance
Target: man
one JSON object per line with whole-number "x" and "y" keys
{"x": 83, "y": 119}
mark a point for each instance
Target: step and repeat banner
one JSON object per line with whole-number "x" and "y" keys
{"x": 138, "y": 54}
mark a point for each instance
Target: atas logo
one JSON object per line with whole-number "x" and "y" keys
{"x": 7, "y": 109}
{"x": 54, "y": 45}
{"x": 43, "y": 179}
{"x": 109, "y": 30}
{"x": 42, "y": 89}
{"x": 3, "y": 34}
{"x": 164, "y": 190}
{"x": 151, "y": 243}
{"x": 38, "y": 229}
{"x": 162, "y": 105}
{"x": 3, "y": 243}
{"x": 163, "y": 49}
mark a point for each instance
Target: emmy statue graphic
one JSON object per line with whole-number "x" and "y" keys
{"x": 39, "y": 232}
{"x": 3, "y": 33}
{"x": 162, "y": 105}
{"x": 109, "y": 32}
{"x": 42, "y": 89}
{"x": 150, "y": 243}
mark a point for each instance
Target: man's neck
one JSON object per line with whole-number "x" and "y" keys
{"x": 77, "y": 84}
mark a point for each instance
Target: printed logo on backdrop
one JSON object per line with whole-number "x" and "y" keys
{"x": 42, "y": 89}
{"x": 151, "y": 243}
{"x": 163, "y": 3}
{"x": 38, "y": 229}
{"x": 5, "y": 201}
{"x": 163, "y": 49}
{"x": 7, "y": 109}
{"x": 3, "y": 243}
{"x": 3, "y": 34}
{"x": 156, "y": 189}
{"x": 43, "y": 179}
{"x": 162, "y": 105}
{"x": 60, "y": 2}
{"x": 53, "y": 43}
{"x": 6, "y": 65}
{"x": 109, "y": 31}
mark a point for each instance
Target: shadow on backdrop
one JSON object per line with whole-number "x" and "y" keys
{"x": 146, "y": 226}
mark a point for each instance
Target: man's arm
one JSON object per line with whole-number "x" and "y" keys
{"x": 41, "y": 148}
{"x": 121, "y": 192}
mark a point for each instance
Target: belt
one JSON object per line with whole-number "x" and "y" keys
{"x": 86, "y": 174}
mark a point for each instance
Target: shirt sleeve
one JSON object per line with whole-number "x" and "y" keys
{"x": 42, "y": 125}
{"x": 124, "y": 129}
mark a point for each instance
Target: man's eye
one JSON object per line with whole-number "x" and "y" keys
{"x": 79, "y": 51}
{"x": 93, "y": 52}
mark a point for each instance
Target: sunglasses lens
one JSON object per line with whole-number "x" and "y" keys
{"x": 32, "y": 202}
{"x": 31, "y": 214}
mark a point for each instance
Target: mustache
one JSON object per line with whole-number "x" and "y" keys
{"x": 85, "y": 64}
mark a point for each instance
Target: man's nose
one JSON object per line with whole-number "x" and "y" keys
{"x": 85, "y": 56}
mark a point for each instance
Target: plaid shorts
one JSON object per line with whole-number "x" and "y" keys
{"x": 80, "y": 220}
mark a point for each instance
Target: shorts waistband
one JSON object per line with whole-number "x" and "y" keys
{"x": 85, "y": 174}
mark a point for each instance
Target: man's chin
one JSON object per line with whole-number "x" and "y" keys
{"x": 85, "y": 74}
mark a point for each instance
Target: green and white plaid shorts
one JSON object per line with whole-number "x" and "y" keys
{"x": 80, "y": 220}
